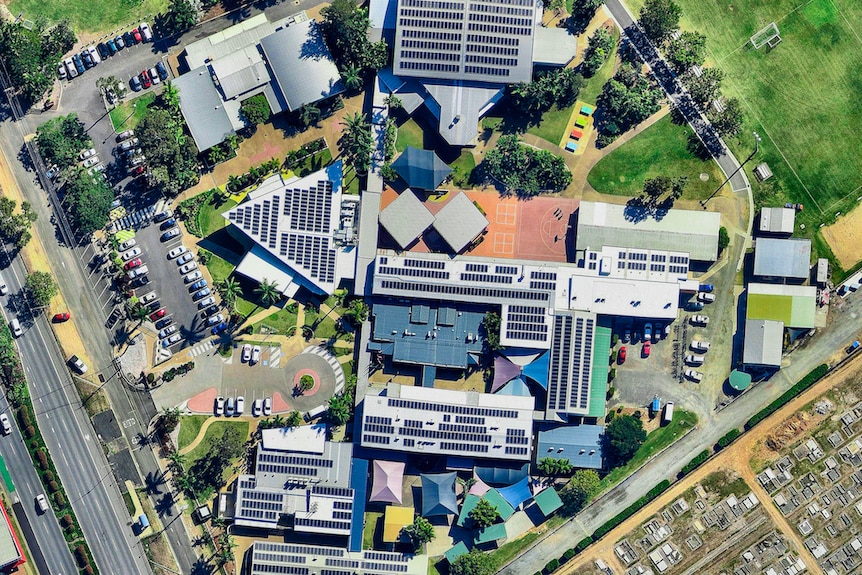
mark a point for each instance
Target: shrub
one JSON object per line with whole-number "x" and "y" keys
{"x": 803, "y": 384}
{"x": 24, "y": 416}
{"x": 66, "y": 521}
{"x": 48, "y": 476}
{"x": 728, "y": 438}
{"x": 552, "y": 565}
{"x": 81, "y": 556}
{"x": 34, "y": 444}
{"x": 631, "y": 509}
{"x": 53, "y": 487}
{"x": 88, "y": 570}
{"x": 696, "y": 462}
{"x": 42, "y": 458}
{"x": 583, "y": 544}
{"x": 568, "y": 555}
{"x": 59, "y": 500}
{"x": 30, "y": 431}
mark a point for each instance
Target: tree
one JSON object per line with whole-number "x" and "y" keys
{"x": 704, "y": 88}
{"x": 491, "y": 327}
{"x": 182, "y": 15}
{"x": 525, "y": 171}
{"x": 15, "y": 227}
{"x": 582, "y": 487}
{"x": 294, "y": 419}
{"x": 340, "y": 409}
{"x": 388, "y": 173}
{"x": 171, "y": 154}
{"x": 623, "y": 437}
{"x": 484, "y": 514}
{"x": 659, "y": 18}
{"x": 267, "y": 292}
{"x": 356, "y": 312}
{"x": 687, "y": 50}
{"x": 177, "y": 462}
{"x": 419, "y": 532}
{"x": 169, "y": 419}
{"x": 345, "y": 29}
{"x": 352, "y": 76}
{"x": 723, "y": 239}
{"x": 393, "y": 102}
{"x": 255, "y": 110}
{"x": 552, "y": 466}
{"x": 171, "y": 96}
{"x": 40, "y": 288}
{"x": 656, "y": 187}
{"x": 473, "y": 563}
{"x": 600, "y": 46}
{"x": 89, "y": 200}
{"x": 582, "y": 13}
{"x": 61, "y": 140}
{"x": 727, "y": 122}
{"x": 229, "y": 289}
{"x": 308, "y": 115}
{"x": 626, "y": 100}
{"x": 306, "y": 382}
{"x": 31, "y": 56}
{"x": 356, "y": 142}
{"x": 677, "y": 187}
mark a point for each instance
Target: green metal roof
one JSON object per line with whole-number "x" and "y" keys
{"x": 503, "y": 508}
{"x": 548, "y": 501}
{"x": 491, "y": 533}
{"x": 470, "y": 502}
{"x": 455, "y": 552}
{"x": 599, "y": 375}
{"x": 793, "y": 305}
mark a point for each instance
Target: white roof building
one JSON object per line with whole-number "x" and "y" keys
{"x": 777, "y": 220}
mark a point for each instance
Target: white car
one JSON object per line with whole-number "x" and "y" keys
{"x": 691, "y": 359}
{"x": 88, "y": 153}
{"x": 246, "y": 352}
{"x": 42, "y": 503}
{"x": 136, "y": 272}
{"x": 70, "y": 66}
{"x": 188, "y": 267}
{"x": 217, "y": 318}
{"x": 4, "y": 423}
{"x": 267, "y": 406}
{"x": 154, "y": 76}
{"x": 694, "y": 375}
{"x": 176, "y": 252}
{"x": 240, "y": 405}
{"x": 94, "y": 54}
{"x": 206, "y": 302}
{"x": 256, "y": 407}
{"x": 146, "y": 33}
{"x": 194, "y": 276}
{"x": 185, "y": 258}
{"x": 229, "y": 407}
{"x": 699, "y": 320}
{"x": 706, "y": 297}
{"x": 125, "y": 135}
{"x": 129, "y": 144}
{"x": 4, "y": 289}
{"x": 127, "y": 244}
{"x": 90, "y": 162}
{"x": 15, "y": 326}
{"x": 132, "y": 253}
{"x": 219, "y": 405}
{"x": 255, "y": 354}
{"x": 147, "y": 298}
{"x": 61, "y": 71}
{"x": 701, "y": 346}
{"x": 167, "y": 331}
{"x": 171, "y": 340}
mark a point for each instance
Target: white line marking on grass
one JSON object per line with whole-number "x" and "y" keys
{"x": 843, "y": 198}
{"x": 782, "y": 19}
{"x": 846, "y": 21}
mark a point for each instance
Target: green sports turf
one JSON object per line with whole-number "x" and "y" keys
{"x": 91, "y": 15}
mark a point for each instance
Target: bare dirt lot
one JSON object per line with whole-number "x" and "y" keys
{"x": 845, "y": 238}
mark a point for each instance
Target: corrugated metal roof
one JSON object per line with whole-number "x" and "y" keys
{"x": 784, "y": 258}
{"x": 580, "y": 444}
{"x": 459, "y": 222}
{"x": 791, "y": 304}
{"x": 203, "y": 109}
{"x": 241, "y": 72}
{"x": 764, "y": 341}
{"x": 302, "y": 64}
{"x": 777, "y": 220}
{"x": 228, "y": 41}
{"x": 458, "y": 107}
{"x": 406, "y": 218}
{"x": 695, "y": 232}
{"x": 554, "y": 46}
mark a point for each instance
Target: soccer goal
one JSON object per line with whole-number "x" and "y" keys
{"x": 768, "y": 36}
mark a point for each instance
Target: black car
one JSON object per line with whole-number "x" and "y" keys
{"x": 129, "y": 39}
{"x": 154, "y": 306}
{"x": 140, "y": 281}
{"x": 112, "y": 47}
{"x": 209, "y": 311}
{"x": 88, "y": 59}
{"x": 162, "y": 70}
{"x": 79, "y": 64}
{"x": 169, "y": 223}
{"x": 103, "y": 50}
{"x": 135, "y": 83}
{"x": 164, "y": 322}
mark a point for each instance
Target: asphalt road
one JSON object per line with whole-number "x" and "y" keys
{"x": 49, "y": 542}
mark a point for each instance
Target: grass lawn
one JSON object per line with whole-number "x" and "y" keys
{"x": 553, "y": 124}
{"x": 313, "y": 163}
{"x": 797, "y": 96}
{"x": 371, "y": 520}
{"x": 127, "y": 115}
{"x": 281, "y": 321}
{"x": 190, "y": 426}
{"x": 219, "y": 268}
{"x": 410, "y": 134}
{"x": 660, "y": 150}
{"x": 656, "y": 441}
{"x": 462, "y": 169}
{"x": 92, "y": 16}
{"x": 511, "y": 550}
{"x": 325, "y": 328}
{"x": 593, "y": 86}
{"x": 209, "y": 215}
{"x": 215, "y": 430}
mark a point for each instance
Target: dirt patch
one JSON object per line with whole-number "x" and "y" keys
{"x": 845, "y": 238}
{"x": 788, "y": 431}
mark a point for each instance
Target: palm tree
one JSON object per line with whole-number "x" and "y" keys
{"x": 171, "y": 95}
{"x": 356, "y": 142}
{"x": 177, "y": 462}
{"x": 268, "y": 292}
{"x": 229, "y": 289}
{"x": 352, "y": 77}
{"x": 309, "y": 114}
{"x": 393, "y": 102}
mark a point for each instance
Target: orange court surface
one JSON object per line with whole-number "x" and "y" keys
{"x": 539, "y": 228}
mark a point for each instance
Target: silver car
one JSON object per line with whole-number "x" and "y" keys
{"x": 185, "y": 258}
{"x": 188, "y": 267}
{"x": 204, "y": 303}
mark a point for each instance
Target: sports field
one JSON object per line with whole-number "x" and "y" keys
{"x": 801, "y": 97}
{"x": 90, "y": 15}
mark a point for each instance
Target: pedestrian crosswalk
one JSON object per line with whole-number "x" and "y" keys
{"x": 332, "y": 361}
{"x": 201, "y": 348}
{"x": 274, "y": 356}
{"x": 134, "y": 219}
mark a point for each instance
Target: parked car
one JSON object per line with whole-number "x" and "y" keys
{"x": 706, "y": 297}
{"x": 4, "y": 423}
{"x": 146, "y": 33}
{"x": 647, "y": 331}
{"x": 209, "y": 311}
{"x": 256, "y": 407}
{"x": 267, "y": 406}
{"x": 700, "y": 346}
{"x": 70, "y": 67}
{"x": 15, "y": 327}
{"x": 218, "y": 318}
{"x": 621, "y": 355}
{"x": 137, "y": 160}
{"x": 129, "y": 39}
{"x": 41, "y": 503}
{"x": 129, "y": 144}
{"x": 707, "y": 288}
{"x": 138, "y": 272}
{"x": 201, "y": 294}
{"x": 140, "y": 281}
{"x": 164, "y": 322}
{"x": 184, "y": 269}
{"x": 127, "y": 244}
{"x": 61, "y": 317}
{"x": 88, "y": 153}
{"x": 692, "y": 359}
{"x": 246, "y": 352}
{"x": 61, "y": 71}
{"x": 167, "y": 331}
{"x": 627, "y": 336}
{"x": 78, "y": 365}
{"x": 148, "y": 297}
{"x": 145, "y": 79}
{"x": 645, "y": 350}
{"x": 699, "y": 320}
{"x": 125, "y": 135}
{"x": 658, "y": 330}
{"x": 230, "y": 407}
{"x": 255, "y": 354}
{"x": 171, "y": 340}
{"x": 87, "y": 58}
{"x": 162, "y": 70}
{"x": 154, "y": 305}
{"x": 162, "y": 216}
{"x": 219, "y": 406}
{"x": 204, "y": 303}
{"x": 119, "y": 42}
{"x": 135, "y": 83}
{"x": 198, "y": 285}
{"x": 170, "y": 234}
{"x": 219, "y": 328}
{"x": 167, "y": 224}
{"x": 90, "y": 162}
{"x": 154, "y": 75}
{"x": 158, "y": 314}
{"x": 694, "y": 375}
{"x": 137, "y": 35}
{"x": 194, "y": 276}
{"x": 112, "y": 47}
{"x": 4, "y": 288}
{"x": 240, "y": 405}
{"x": 694, "y": 306}
{"x": 79, "y": 64}
{"x": 132, "y": 264}
{"x": 132, "y": 253}
{"x": 185, "y": 258}
{"x": 94, "y": 54}
{"x": 103, "y": 50}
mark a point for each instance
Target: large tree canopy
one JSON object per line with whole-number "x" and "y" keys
{"x": 31, "y": 56}
{"x": 345, "y": 27}
{"x": 659, "y": 18}
{"x": 89, "y": 199}
{"x": 623, "y": 436}
{"x": 526, "y": 171}
{"x": 61, "y": 140}
{"x": 171, "y": 154}
{"x": 626, "y": 100}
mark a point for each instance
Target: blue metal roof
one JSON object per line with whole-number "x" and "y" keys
{"x": 580, "y": 444}
{"x": 359, "y": 484}
{"x": 502, "y": 475}
{"x": 438, "y": 494}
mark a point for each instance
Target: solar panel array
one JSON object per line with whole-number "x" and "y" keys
{"x": 287, "y": 558}
{"x": 292, "y": 465}
{"x": 311, "y": 524}
{"x": 526, "y": 323}
{"x": 571, "y": 364}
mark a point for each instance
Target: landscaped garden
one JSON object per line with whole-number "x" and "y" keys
{"x": 129, "y": 113}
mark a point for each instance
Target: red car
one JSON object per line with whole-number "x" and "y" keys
{"x": 132, "y": 264}
{"x": 145, "y": 79}
{"x": 646, "y": 349}
{"x": 61, "y": 317}
{"x": 137, "y": 34}
{"x": 156, "y": 315}
{"x": 621, "y": 356}
{"x": 138, "y": 170}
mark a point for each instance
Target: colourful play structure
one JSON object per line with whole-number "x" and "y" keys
{"x": 580, "y": 125}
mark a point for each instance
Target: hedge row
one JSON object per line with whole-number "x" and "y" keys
{"x": 728, "y": 438}
{"x": 696, "y": 462}
{"x": 803, "y": 384}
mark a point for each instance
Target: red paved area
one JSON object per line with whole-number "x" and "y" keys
{"x": 279, "y": 405}
{"x": 204, "y": 402}
{"x": 314, "y": 376}
{"x": 267, "y": 151}
{"x": 534, "y": 229}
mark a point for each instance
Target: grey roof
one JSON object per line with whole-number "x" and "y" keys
{"x": 764, "y": 341}
{"x": 783, "y": 258}
{"x": 458, "y": 107}
{"x": 580, "y": 444}
{"x": 695, "y": 232}
{"x": 228, "y": 41}
{"x": 241, "y": 72}
{"x": 554, "y": 46}
{"x": 478, "y": 44}
{"x": 302, "y": 64}
{"x": 421, "y": 169}
{"x": 459, "y": 222}
{"x": 203, "y": 109}
{"x": 777, "y": 220}
{"x": 438, "y": 494}
{"x": 406, "y": 218}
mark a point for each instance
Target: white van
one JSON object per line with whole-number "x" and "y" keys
{"x": 15, "y": 326}
{"x": 4, "y": 289}
{"x": 694, "y": 359}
